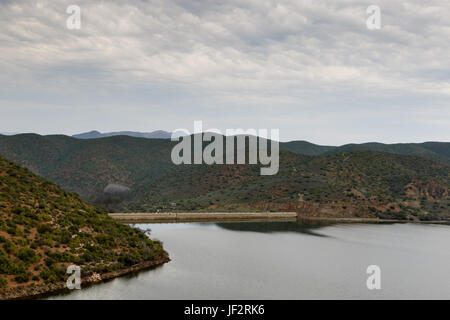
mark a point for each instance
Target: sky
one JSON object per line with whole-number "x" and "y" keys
{"x": 312, "y": 69}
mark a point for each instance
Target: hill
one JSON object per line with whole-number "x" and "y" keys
{"x": 306, "y": 148}
{"x": 88, "y": 166}
{"x": 363, "y": 183}
{"x": 44, "y": 229}
{"x": 432, "y": 150}
{"x": 158, "y": 134}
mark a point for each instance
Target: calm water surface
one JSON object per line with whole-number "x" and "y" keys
{"x": 287, "y": 260}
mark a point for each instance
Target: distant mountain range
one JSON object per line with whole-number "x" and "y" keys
{"x": 158, "y": 134}
{"x": 431, "y": 150}
{"x": 394, "y": 181}
{"x": 9, "y": 133}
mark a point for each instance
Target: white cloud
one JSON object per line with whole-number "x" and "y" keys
{"x": 227, "y": 54}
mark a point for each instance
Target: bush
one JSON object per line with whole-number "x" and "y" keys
{"x": 27, "y": 255}
{"x": 9, "y": 247}
{"x": 22, "y": 277}
{"x": 44, "y": 228}
{"x": 3, "y": 282}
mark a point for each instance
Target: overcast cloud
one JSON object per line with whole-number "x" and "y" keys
{"x": 310, "y": 68}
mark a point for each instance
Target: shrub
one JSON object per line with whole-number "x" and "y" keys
{"x": 44, "y": 228}
{"x": 27, "y": 255}
{"x": 9, "y": 247}
{"x": 22, "y": 277}
{"x": 3, "y": 282}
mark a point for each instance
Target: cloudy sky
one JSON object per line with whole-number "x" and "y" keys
{"x": 311, "y": 68}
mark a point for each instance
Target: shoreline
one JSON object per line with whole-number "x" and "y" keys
{"x": 175, "y": 217}
{"x": 48, "y": 289}
{"x": 369, "y": 220}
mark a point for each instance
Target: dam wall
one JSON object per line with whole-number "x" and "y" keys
{"x": 201, "y": 216}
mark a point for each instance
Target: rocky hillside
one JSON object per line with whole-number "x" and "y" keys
{"x": 362, "y": 184}
{"x": 43, "y": 229}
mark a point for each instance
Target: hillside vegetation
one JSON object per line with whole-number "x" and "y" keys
{"x": 432, "y": 150}
{"x": 365, "y": 184}
{"x": 43, "y": 229}
{"x": 347, "y": 183}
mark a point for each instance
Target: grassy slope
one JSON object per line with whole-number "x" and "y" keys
{"x": 43, "y": 229}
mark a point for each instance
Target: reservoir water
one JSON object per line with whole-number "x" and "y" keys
{"x": 288, "y": 260}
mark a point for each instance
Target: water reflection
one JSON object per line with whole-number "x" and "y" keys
{"x": 272, "y": 227}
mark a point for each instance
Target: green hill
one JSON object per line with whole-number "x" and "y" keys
{"x": 306, "y": 148}
{"x": 43, "y": 229}
{"x": 344, "y": 184}
{"x": 432, "y": 150}
{"x": 357, "y": 183}
{"x": 88, "y": 166}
